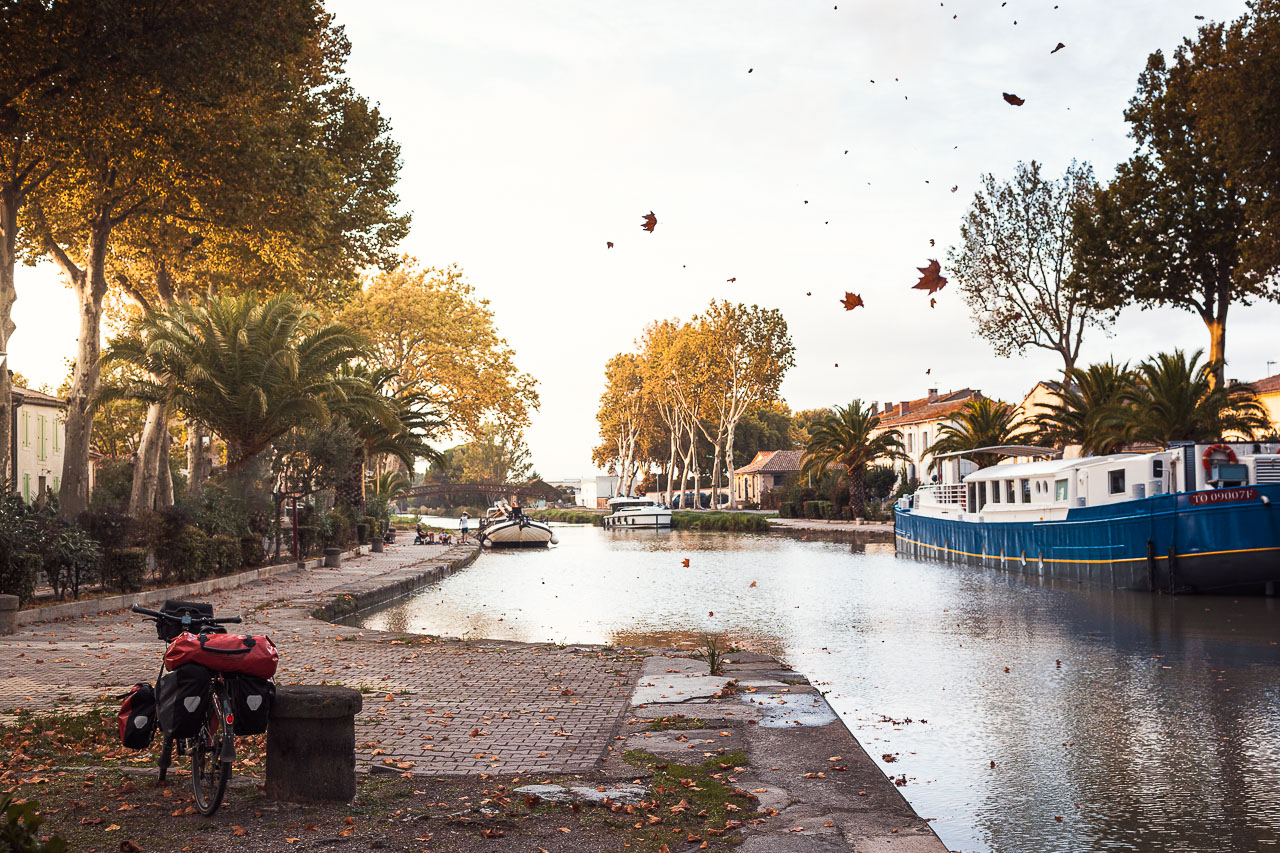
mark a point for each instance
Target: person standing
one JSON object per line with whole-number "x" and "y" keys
{"x": 464, "y": 523}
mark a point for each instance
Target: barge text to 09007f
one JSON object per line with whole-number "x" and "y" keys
{"x": 1192, "y": 518}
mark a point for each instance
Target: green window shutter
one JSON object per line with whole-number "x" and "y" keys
{"x": 26, "y": 487}
{"x": 57, "y": 482}
{"x": 57, "y": 434}
{"x": 40, "y": 437}
{"x": 26, "y": 429}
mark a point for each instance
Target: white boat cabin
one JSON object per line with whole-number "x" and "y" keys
{"x": 1045, "y": 490}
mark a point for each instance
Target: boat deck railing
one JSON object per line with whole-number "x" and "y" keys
{"x": 952, "y": 494}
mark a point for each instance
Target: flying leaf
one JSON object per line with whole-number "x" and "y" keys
{"x": 650, "y": 222}
{"x": 685, "y": 562}
{"x": 932, "y": 303}
{"x": 753, "y": 583}
{"x": 1056, "y": 49}
{"x": 930, "y": 280}
{"x": 732, "y": 280}
{"x": 851, "y": 301}
{"x": 956, "y": 187}
{"x": 1009, "y": 99}
{"x": 608, "y": 244}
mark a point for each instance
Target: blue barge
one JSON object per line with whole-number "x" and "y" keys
{"x": 1193, "y": 518}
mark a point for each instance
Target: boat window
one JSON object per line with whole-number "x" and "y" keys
{"x": 1115, "y": 482}
{"x": 1157, "y": 469}
{"x": 1059, "y": 490}
{"x": 1009, "y": 494}
{"x": 995, "y": 491}
{"x": 1026, "y": 491}
{"x": 973, "y": 496}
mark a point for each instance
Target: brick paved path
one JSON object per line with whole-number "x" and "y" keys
{"x": 430, "y": 707}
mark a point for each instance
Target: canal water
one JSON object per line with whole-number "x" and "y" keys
{"x": 1026, "y": 717}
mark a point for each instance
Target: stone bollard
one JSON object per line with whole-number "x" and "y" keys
{"x": 8, "y": 614}
{"x": 311, "y": 744}
{"x": 332, "y": 558}
{"x": 377, "y": 545}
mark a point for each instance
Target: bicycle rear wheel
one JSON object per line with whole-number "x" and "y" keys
{"x": 209, "y": 773}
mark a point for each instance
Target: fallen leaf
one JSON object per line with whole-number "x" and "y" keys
{"x": 711, "y": 613}
{"x": 851, "y": 301}
{"x": 1014, "y": 100}
{"x": 650, "y": 222}
{"x": 753, "y": 584}
{"x": 685, "y": 562}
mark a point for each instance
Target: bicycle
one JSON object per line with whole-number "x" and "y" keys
{"x": 212, "y": 748}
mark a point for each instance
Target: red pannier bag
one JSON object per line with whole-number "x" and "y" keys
{"x": 224, "y": 653}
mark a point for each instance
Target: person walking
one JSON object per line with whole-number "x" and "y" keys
{"x": 464, "y": 523}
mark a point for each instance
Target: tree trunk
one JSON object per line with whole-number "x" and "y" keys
{"x": 196, "y": 461}
{"x": 671, "y": 462}
{"x": 717, "y": 459}
{"x": 148, "y": 462}
{"x": 8, "y": 295}
{"x": 728, "y": 461}
{"x": 164, "y": 487}
{"x": 89, "y": 286}
{"x": 1218, "y": 348}
{"x": 858, "y": 491}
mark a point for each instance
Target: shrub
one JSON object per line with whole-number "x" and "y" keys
{"x": 189, "y": 554}
{"x": 334, "y": 529}
{"x": 362, "y": 533}
{"x": 18, "y": 575}
{"x": 170, "y": 525}
{"x": 375, "y": 525}
{"x": 73, "y": 562}
{"x": 306, "y": 539}
{"x": 112, "y": 484}
{"x": 20, "y": 831}
{"x": 252, "y": 554}
{"x": 224, "y": 555}
{"x": 127, "y": 568}
{"x": 107, "y": 527}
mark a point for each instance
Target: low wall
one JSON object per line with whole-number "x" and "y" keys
{"x": 345, "y": 601}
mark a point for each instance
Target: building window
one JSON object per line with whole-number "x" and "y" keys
{"x": 910, "y": 449}
{"x": 924, "y": 439}
{"x": 1115, "y": 482}
{"x": 40, "y": 486}
{"x": 1060, "y": 490}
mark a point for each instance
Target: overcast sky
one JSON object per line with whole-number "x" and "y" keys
{"x": 535, "y": 132}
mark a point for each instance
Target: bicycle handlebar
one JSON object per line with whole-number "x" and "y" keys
{"x": 157, "y": 614}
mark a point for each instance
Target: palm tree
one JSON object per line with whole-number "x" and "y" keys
{"x": 982, "y": 422}
{"x": 247, "y": 370}
{"x": 1090, "y": 410}
{"x": 380, "y": 492}
{"x": 1176, "y": 398}
{"x": 847, "y": 437}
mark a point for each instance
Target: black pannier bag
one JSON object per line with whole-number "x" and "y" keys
{"x": 184, "y": 698}
{"x": 251, "y": 699}
{"x": 137, "y": 717}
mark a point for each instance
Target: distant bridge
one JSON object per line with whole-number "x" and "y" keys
{"x": 491, "y": 491}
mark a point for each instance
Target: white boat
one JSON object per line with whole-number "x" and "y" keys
{"x": 637, "y": 512}
{"x": 508, "y": 527}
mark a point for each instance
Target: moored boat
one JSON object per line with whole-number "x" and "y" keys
{"x": 508, "y": 527}
{"x": 636, "y": 512}
{"x": 1193, "y": 518}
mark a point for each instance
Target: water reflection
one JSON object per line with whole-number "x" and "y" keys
{"x": 1143, "y": 722}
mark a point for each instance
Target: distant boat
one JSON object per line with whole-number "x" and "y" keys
{"x": 508, "y": 527}
{"x": 1193, "y": 518}
{"x": 637, "y": 512}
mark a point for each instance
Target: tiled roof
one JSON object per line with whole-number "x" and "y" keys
{"x": 922, "y": 410}
{"x": 1270, "y": 385}
{"x": 773, "y": 462}
{"x": 37, "y": 398}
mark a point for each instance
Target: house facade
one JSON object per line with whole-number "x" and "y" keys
{"x": 39, "y": 439}
{"x": 919, "y": 421}
{"x": 764, "y": 473}
{"x": 1268, "y": 392}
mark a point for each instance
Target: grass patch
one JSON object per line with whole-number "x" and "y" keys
{"x": 734, "y": 522}
{"x": 676, "y": 722}
{"x": 567, "y": 516}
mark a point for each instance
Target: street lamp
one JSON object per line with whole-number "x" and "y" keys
{"x": 294, "y": 482}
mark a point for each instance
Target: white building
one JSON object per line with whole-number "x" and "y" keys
{"x": 919, "y": 422}
{"x": 39, "y": 438}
